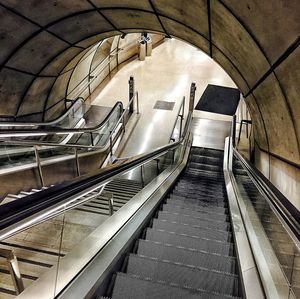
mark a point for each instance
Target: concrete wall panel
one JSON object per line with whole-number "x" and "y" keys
{"x": 275, "y": 24}
{"x": 230, "y": 69}
{"x": 141, "y": 4}
{"x": 13, "y": 31}
{"x": 288, "y": 74}
{"x": 186, "y": 34}
{"x": 230, "y": 36}
{"x": 287, "y": 179}
{"x": 35, "y": 98}
{"x": 75, "y": 28}
{"x": 282, "y": 138}
{"x": 37, "y": 52}
{"x": 58, "y": 63}
{"x": 89, "y": 41}
{"x": 194, "y": 14}
{"x": 45, "y": 12}
{"x": 58, "y": 89}
{"x": 127, "y": 19}
{"x": 262, "y": 162}
{"x": 12, "y": 86}
{"x": 260, "y": 133}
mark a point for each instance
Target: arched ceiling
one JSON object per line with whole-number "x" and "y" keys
{"x": 256, "y": 42}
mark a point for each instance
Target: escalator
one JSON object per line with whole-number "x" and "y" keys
{"x": 192, "y": 228}
{"x": 187, "y": 250}
{"x": 284, "y": 247}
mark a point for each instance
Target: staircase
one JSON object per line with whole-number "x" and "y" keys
{"x": 38, "y": 248}
{"x": 187, "y": 251}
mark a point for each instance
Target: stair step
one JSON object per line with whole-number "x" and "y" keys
{"x": 191, "y": 242}
{"x": 195, "y": 212}
{"x": 190, "y": 276}
{"x": 198, "y": 195}
{"x": 202, "y": 166}
{"x": 203, "y": 190}
{"x": 192, "y": 230}
{"x": 131, "y": 286}
{"x": 197, "y": 204}
{"x": 192, "y": 220}
{"x": 207, "y": 202}
{"x": 207, "y": 152}
{"x": 187, "y": 257}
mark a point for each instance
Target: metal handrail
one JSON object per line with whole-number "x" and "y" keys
{"x": 181, "y": 108}
{"x": 19, "y": 215}
{"x": 112, "y": 53}
{"x": 58, "y": 131}
{"x": 288, "y": 221}
{"x": 49, "y": 123}
{"x": 77, "y": 131}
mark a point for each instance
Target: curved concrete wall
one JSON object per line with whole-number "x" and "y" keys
{"x": 256, "y": 42}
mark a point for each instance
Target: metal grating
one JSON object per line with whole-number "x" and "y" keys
{"x": 164, "y": 105}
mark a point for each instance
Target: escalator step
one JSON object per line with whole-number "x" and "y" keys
{"x": 191, "y": 242}
{"x": 190, "y": 276}
{"x": 208, "y": 213}
{"x": 199, "y": 195}
{"x": 192, "y": 220}
{"x": 206, "y": 160}
{"x": 187, "y": 257}
{"x": 130, "y": 286}
{"x": 196, "y": 204}
{"x": 201, "y": 191}
{"x": 198, "y": 231}
{"x": 201, "y": 166}
{"x": 206, "y": 202}
{"x": 207, "y": 152}
{"x": 202, "y": 184}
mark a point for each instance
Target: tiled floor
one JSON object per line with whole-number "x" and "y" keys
{"x": 165, "y": 76}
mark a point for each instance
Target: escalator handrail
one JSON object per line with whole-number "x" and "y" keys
{"x": 277, "y": 201}
{"x": 13, "y": 212}
{"x": 52, "y": 131}
{"x": 49, "y": 123}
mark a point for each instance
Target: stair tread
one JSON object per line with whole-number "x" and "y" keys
{"x": 192, "y": 230}
{"x": 187, "y": 257}
{"x": 193, "y": 242}
{"x": 131, "y": 286}
{"x": 183, "y": 275}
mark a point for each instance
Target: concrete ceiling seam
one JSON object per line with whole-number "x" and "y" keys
{"x": 91, "y": 64}
{"x": 209, "y": 29}
{"x": 103, "y": 16}
{"x": 281, "y": 59}
{"x": 42, "y": 28}
{"x": 27, "y": 73}
{"x": 158, "y": 18}
{"x": 36, "y": 24}
{"x": 67, "y": 93}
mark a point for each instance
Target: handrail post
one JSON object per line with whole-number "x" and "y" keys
{"x": 92, "y": 138}
{"x": 13, "y": 269}
{"x": 192, "y": 96}
{"x": 110, "y": 203}
{"x": 180, "y": 126}
{"x": 142, "y": 176}
{"x": 38, "y": 164}
{"x": 137, "y": 103}
{"x": 183, "y": 108}
{"x": 131, "y": 92}
{"x": 123, "y": 122}
{"x": 110, "y": 143}
{"x": 77, "y": 162}
{"x": 233, "y": 130}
